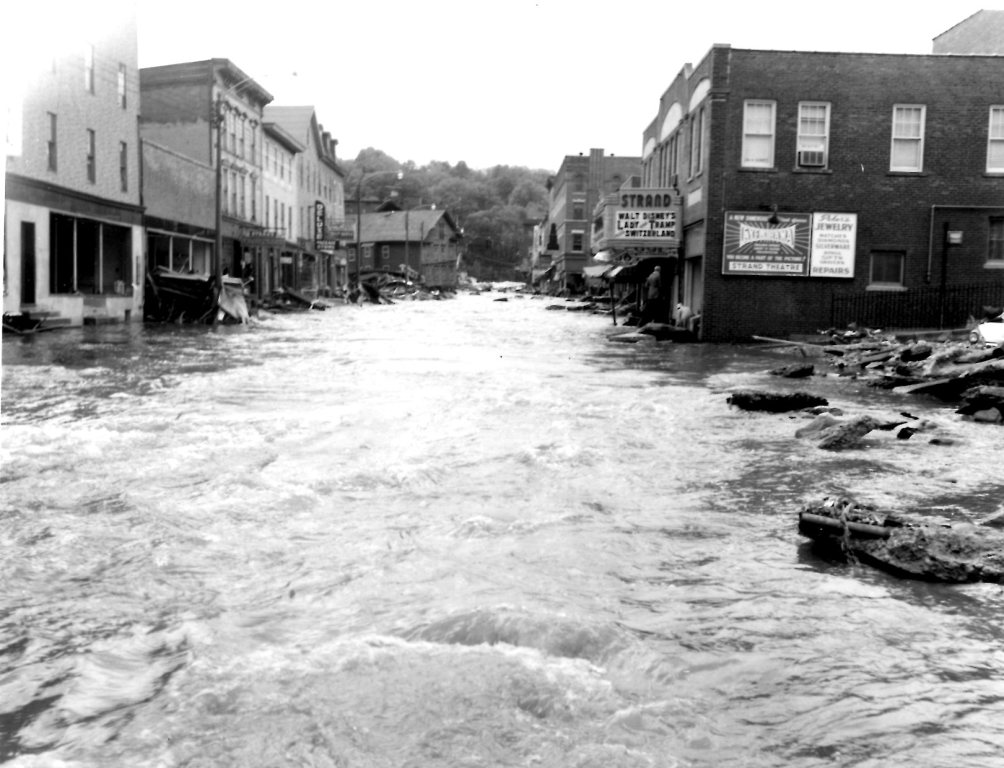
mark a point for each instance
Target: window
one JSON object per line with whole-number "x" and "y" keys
{"x": 995, "y": 249}
{"x": 385, "y": 254}
{"x": 242, "y": 190}
{"x": 758, "y": 134}
{"x": 886, "y": 269}
{"x": 578, "y": 209}
{"x": 254, "y": 199}
{"x": 907, "y": 138}
{"x": 92, "y": 164}
{"x": 696, "y": 139}
{"x": 813, "y": 135}
{"x": 89, "y": 68}
{"x": 124, "y": 165}
{"x": 122, "y": 86}
{"x": 226, "y": 192}
{"x": 995, "y": 141}
{"x": 232, "y": 133}
{"x": 50, "y": 148}
{"x": 577, "y": 241}
{"x": 233, "y": 193}
{"x": 266, "y": 211}
{"x": 240, "y": 147}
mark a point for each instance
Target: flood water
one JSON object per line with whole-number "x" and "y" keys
{"x": 467, "y": 533}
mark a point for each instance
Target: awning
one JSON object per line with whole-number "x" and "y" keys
{"x": 595, "y": 271}
{"x": 605, "y": 255}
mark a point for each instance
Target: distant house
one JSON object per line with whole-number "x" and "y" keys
{"x": 981, "y": 33}
{"x": 422, "y": 243}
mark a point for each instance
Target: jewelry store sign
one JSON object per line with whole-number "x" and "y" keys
{"x": 834, "y": 240}
{"x": 789, "y": 244}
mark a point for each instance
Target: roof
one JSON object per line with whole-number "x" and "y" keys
{"x": 297, "y": 121}
{"x": 389, "y": 226}
{"x": 277, "y": 132}
{"x": 301, "y": 123}
{"x": 981, "y": 33}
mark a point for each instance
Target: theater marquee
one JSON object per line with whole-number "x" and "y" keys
{"x": 646, "y": 218}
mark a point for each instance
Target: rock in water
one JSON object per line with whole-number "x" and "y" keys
{"x": 848, "y": 434}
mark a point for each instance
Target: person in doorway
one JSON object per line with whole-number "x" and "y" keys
{"x": 653, "y": 297}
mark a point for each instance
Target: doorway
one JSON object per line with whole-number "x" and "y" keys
{"x": 27, "y": 263}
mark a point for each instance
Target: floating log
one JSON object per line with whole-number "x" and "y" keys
{"x": 945, "y": 553}
{"x": 774, "y": 402}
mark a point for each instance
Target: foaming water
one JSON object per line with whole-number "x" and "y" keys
{"x": 465, "y": 533}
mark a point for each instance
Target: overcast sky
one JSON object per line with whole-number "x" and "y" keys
{"x": 513, "y": 82}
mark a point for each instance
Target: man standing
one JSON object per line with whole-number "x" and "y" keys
{"x": 653, "y": 296}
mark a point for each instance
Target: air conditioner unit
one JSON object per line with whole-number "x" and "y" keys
{"x": 811, "y": 159}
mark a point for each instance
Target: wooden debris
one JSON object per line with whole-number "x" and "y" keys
{"x": 944, "y": 553}
{"x": 774, "y": 402}
{"x": 794, "y": 371}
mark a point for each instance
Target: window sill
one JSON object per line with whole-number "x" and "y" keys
{"x": 751, "y": 169}
{"x": 888, "y": 287}
{"x": 994, "y": 265}
{"x": 907, "y": 173}
{"x": 812, "y": 171}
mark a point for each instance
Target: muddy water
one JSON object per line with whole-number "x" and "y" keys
{"x": 465, "y": 533}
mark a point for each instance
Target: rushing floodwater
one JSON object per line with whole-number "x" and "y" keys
{"x": 466, "y": 533}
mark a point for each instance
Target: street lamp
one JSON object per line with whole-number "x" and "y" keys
{"x": 359, "y": 214}
{"x": 407, "y": 239}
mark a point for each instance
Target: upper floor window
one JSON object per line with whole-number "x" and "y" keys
{"x": 995, "y": 250}
{"x": 89, "y": 68}
{"x": 121, "y": 85}
{"x": 577, "y": 241}
{"x": 813, "y": 135}
{"x": 50, "y": 148}
{"x": 907, "y": 138}
{"x": 696, "y": 142}
{"x": 995, "y": 141}
{"x": 758, "y": 134}
{"x": 578, "y": 209}
{"x": 92, "y": 169}
{"x": 124, "y": 166}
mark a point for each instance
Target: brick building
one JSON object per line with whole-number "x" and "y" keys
{"x": 581, "y": 181}
{"x": 183, "y": 104}
{"x": 73, "y": 235}
{"x": 823, "y": 188}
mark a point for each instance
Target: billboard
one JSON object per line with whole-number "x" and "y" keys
{"x": 767, "y": 244}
